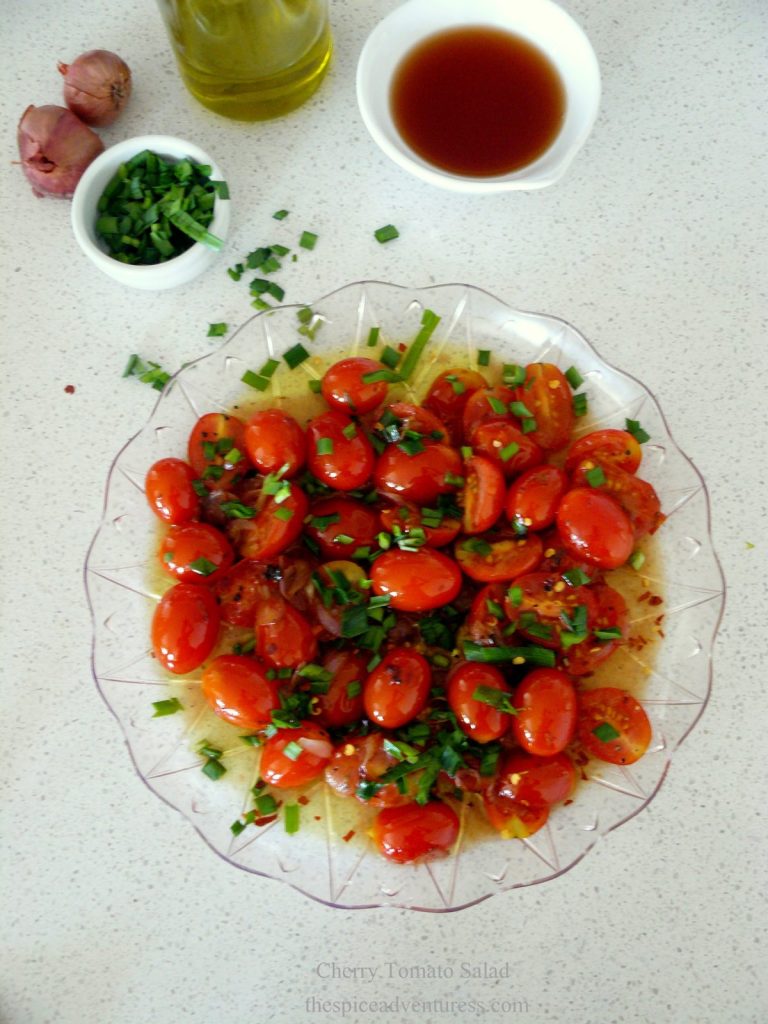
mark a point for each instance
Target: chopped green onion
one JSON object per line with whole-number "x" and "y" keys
{"x": 429, "y": 322}
{"x": 255, "y": 380}
{"x": 217, "y": 330}
{"x": 634, "y": 428}
{"x": 513, "y": 375}
{"x": 291, "y": 818}
{"x": 324, "y": 446}
{"x": 520, "y": 409}
{"x": 386, "y": 234}
{"x": 296, "y": 355}
{"x": 266, "y": 804}
{"x": 494, "y": 699}
{"x": 284, "y": 513}
{"x": 605, "y": 732}
{"x": 509, "y": 450}
{"x": 530, "y": 654}
{"x": 528, "y": 425}
{"x": 350, "y": 431}
{"x": 477, "y": 546}
{"x": 483, "y": 357}
{"x": 576, "y": 577}
{"x": 166, "y": 707}
{"x": 354, "y": 689}
{"x": 321, "y": 522}
{"x": 304, "y": 315}
{"x": 453, "y": 480}
{"x": 574, "y": 378}
{"x": 202, "y": 566}
{"x": 466, "y": 452}
{"x": 515, "y": 596}
{"x": 308, "y": 240}
{"x": 457, "y": 386}
{"x": 595, "y": 477}
{"x": 373, "y": 337}
{"x": 611, "y": 633}
{"x": 213, "y": 768}
{"x": 494, "y": 608}
{"x": 497, "y": 405}
{"x": 637, "y": 559}
{"x": 580, "y": 404}
{"x": 280, "y": 214}
{"x": 292, "y": 750}
{"x": 269, "y": 368}
{"x": 389, "y": 356}
{"x": 365, "y": 790}
{"x": 343, "y": 538}
{"x": 236, "y": 510}
{"x": 386, "y": 375}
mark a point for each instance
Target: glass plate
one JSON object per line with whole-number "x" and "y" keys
{"x": 323, "y": 860}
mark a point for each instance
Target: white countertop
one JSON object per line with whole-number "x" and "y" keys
{"x": 654, "y": 246}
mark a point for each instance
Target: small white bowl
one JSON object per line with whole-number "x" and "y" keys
{"x": 541, "y": 22}
{"x": 177, "y": 271}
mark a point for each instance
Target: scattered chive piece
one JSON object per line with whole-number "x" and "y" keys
{"x": 280, "y": 214}
{"x": 217, "y": 330}
{"x": 637, "y": 559}
{"x": 296, "y": 355}
{"x": 580, "y": 404}
{"x": 483, "y": 357}
{"x": 291, "y": 818}
{"x": 148, "y": 373}
{"x": 634, "y": 428}
{"x": 477, "y": 546}
{"x": 343, "y": 538}
{"x": 497, "y": 405}
{"x": 515, "y": 595}
{"x": 269, "y": 368}
{"x": 576, "y": 577}
{"x": 255, "y": 380}
{"x": 611, "y": 633}
{"x": 387, "y": 375}
{"x": 236, "y": 510}
{"x": 520, "y": 409}
{"x": 321, "y": 522}
{"x": 531, "y": 654}
{"x": 466, "y": 452}
{"x": 222, "y": 188}
{"x": 373, "y": 337}
{"x": 457, "y": 386}
{"x": 528, "y": 425}
{"x": 292, "y": 750}
{"x": 454, "y": 480}
{"x": 574, "y": 378}
{"x": 495, "y": 699}
{"x": 284, "y": 513}
{"x": 494, "y": 608}
{"x": 166, "y": 707}
{"x": 266, "y": 804}
{"x": 315, "y": 386}
{"x": 354, "y": 688}
{"x": 389, "y": 356}
{"x": 213, "y": 768}
{"x": 507, "y": 452}
{"x": 429, "y": 322}
{"x": 237, "y": 827}
{"x": 304, "y": 315}
{"x": 595, "y": 477}
{"x": 513, "y": 375}
{"x": 605, "y": 732}
{"x": 308, "y": 240}
{"x": 366, "y": 789}
{"x": 350, "y": 431}
{"x": 386, "y": 234}
{"x": 324, "y": 446}
{"x": 168, "y": 556}
{"x": 202, "y": 566}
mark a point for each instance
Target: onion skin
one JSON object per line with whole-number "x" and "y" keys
{"x": 97, "y": 85}
{"x": 55, "y": 148}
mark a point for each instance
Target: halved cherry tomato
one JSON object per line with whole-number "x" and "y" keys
{"x": 536, "y": 780}
{"x": 448, "y": 395}
{"x": 275, "y": 443}
{"x": 185, "y": 627}
{"x": 408, "y": 833}
{"x": 342, "y": 702}
{"x": 546, "y": 394}
{"x": 486, "y": 619}
{"x": 240, "y": 590}
{"x": 546, "y": 719}
{"x": 364, "y": 759}
{"x": 478, "y": 719}
{"x": 293, "y": 757}
{"x": 483, "y": 494}
{"x": 611, "y": 613}
{"x": 284, "y": 638}
{"x": 418, "y": 478}
{"x": 493, "y": 561}
{"x": 343, "y": 386}
{"x": 195, "y": 553}
{"x": 274, "y": 527}
{"x": 416, "y": 580}
{"x": 504, "y": 443}
{"x": 533, "y": 499}
{"x": 408, "y": 517}
{"x": 539, "y": 603}
{"x": 595, "y": 528}
{"x": 170, "y": 493}
{"x": 213, "y": 438}
{"x": 355, "y": 523}
{"x": 637, "y": 497}
{"x": 238, "y": 690}
{"x": 616, "y": 447}
{"x": 340, "y": 460}
{"x": 398, "y": 688}
{"x": 514, "y": 819}
{"x": 612, "y": 725}
{"x": 489, "y": 405}
{"x": 420, "y": 420}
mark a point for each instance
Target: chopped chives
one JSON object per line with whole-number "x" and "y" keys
{"x": 213, "y": 768}
{"x": 580, "y": 404}
{"x": 386, "y": 375}
{"x": 266, "y": 804}
{"x": 236, "y": 510}
{"x": 308, "y": 240}
{"x": 284, "y": 513}
{"x": 280, "y": 214}
{"x": 202, "y": 566}
{"x": 453, "y": 480}
{"x": 634, "y": 428}
{"x": 483, "y": 357}
{"x": 595, "y": 477}
{"x": 217, "y": 330}
{"x": 291, "y": 818}
{"x": 466, "y": 452}
{"x": 222, "y": 188}
{"x": 304, "y": 315}
{"x": 324, "y": 446}
{"x": 494, "y": 608}
{"x": 513, "y": 375}
{"x": 373, "y": 337}
{"x": 269, "y": 368}
{"x": 515, "y": 596}
{"x": 350, "y": 431}
{"x": 494, "y": 698}
{"x": 389, "y": 356}
{"x": 292, "y": 750}
{"x": 531, "y": 654}
{"x": 528, "y": 425}
{"x": 637, "y": 559}
{"x": 354, "y": 689}
{"x": 321, "y": 522}
{"x": 610, "y": 633}
{"x": 429, "y": 321}
{"x": 166, "y": 707}
{"x": 509, "y": 450}
{"x": 281, "y": 250}
{"x": 497, "y": 405}
{"x": 574, "y": 378}
{"x": 343, "y": 538}
{"x": 576, "y": 577}
{"x": 296, "y": 355}
{"x": 520, "y": 409}
{"x": 386, "y": 234}
{"x": 255, "y": 380}
{"x": 605, "y": 732}
{"x": 315, "y": 386}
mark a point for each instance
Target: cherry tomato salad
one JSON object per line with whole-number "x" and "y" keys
{"x": 418, "y": 590}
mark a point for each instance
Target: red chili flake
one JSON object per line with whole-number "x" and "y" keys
{"x": 318, "y": 818}
{"x": 656, "y": 600}
{"x": 349, "y": 835}
{"x": 265, "y": 821}
{"x": 644, "y": 596}
{"x": 70, "y": 389}
{"x": 402, "y": 347}
{"x": 303, "y": 800}
{"x": 566, "y": 802}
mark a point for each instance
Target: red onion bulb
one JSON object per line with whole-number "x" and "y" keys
{"x": 55, "y": 148}
{"x": 97, "y": 85}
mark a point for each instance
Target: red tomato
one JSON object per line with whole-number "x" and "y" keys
{"x": 611, "y": 613}
{"x": 545, "y": 600}
{"x": 350, "y": 519}
{"x": 496, "y": 439}
{"x": 479, "y": 720}
{"x": 536, "y": 780}
{"x": 270, "y": 532}
{"x": 284, "y": 638}
{"x": 337, "y": 460}
{"x": 533, "y": 499}
{"x": 419, "y": 478}
{"x": 343, "y": 386}
{"x": 612, "y": 725}
{"x": 420, "y": 420}
{"x": 170, "y": 493}
{"x": 546, "y": 721}
{"x": 637, "y": 497}
{"x": 616, "y": 447}
{"x": 499, "y": 560}
{"x": 364, "y": 759}
{"x": 185, "y": 627}
{"x": 486, "y": 619}
{"x": 215, "y": 441}
{"x": 483, "y": 495}
{"x": 514, "y": 819}
{"x": 407, "y": 517}
{"x": 489, "y": 405}
{"x": 308, "y": 748}
{"x": 342, "y": 703}
{"x": 240, "y": 590}
{"x": 448, "y": 395}
{"x": 408, "y": 833}
{"x": 238, "y": 690}
{"x": 275, "y": 443}
{"x": 398, "y": 688}
{"x": 595, "y": 528}
{"x": 416, "y": 580}
{"x": 195, "y": 552}
{"x": 546, "y": 394}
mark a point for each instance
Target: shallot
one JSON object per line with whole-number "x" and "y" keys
{"x": 55, "y": 148}
{"x": 97, "y": 85}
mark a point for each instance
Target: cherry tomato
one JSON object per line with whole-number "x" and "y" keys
{"x": 272, "y": 529}
{"x": 479, "y": 720}
{"x": 398, "y": 688}
{"x": 546, "y": 720}
{"x": 343, "y": 386}
{"x": 637, "y": 497}
{"x": 347, "y": 518}
{"x": 170, "y": 493}
{"x": 240, "y": 590}
{"x": 275, "y": 443}
{"x": 514, "y": 819}
{"x": 448, "y": 395}
{"x": 536, "y": 780}
{"x": 185, "y": 627}
{"x": 546, "y": 394}
{"x": 342, "y": 703}
{"x": 238, "y": 690}
{"x": 483, "y": 494}
{"x": 416, "y": 580}
{"x": 489, "y": 405}
{"x": 419, "y": 478}
{"x": 408, "y": 833}
{"x": 612, "y": 725}
{"x": 330, "y": 614}
{"x": 408, "y": 517}
{"x": 420, "y": 420}
{"x": 505, "y": 444}
{"x": 498, "y": 560}
{"x": 342, "y": 461}
{"x": 284, "y": 638}
{"x": 486, "y": 619}
{"x": 611, "y": 613}
{"x": 595, "y": 528}
{"x": 363, "y": 759}
{"x": 293, "y": 757}
{"x": 616, "y": 447}
{"x": 539, "y": 604}
{"x": 213, "y": 438}
{"x": 533, "y": 499}
{"x": 195, "y": 552}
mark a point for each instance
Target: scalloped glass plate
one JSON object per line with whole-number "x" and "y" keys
{"x": 323, "y": 860}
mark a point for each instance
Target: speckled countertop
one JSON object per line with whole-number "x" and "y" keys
{"x": 654, "y": 245}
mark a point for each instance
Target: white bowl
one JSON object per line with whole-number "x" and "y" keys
{"x": 541, "y": 22}
{"x": 177, "y": 271}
